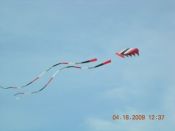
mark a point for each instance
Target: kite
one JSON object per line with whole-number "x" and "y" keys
{"x": 70, "y": 65}
{"x": 128, "y": 52}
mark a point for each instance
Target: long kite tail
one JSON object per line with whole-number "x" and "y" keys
{"x": 49, "y": 81}
{"x": 54, "y": 75}
{"x": 47, "y": 70}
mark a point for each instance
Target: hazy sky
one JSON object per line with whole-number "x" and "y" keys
{"x": 35, "y": 34}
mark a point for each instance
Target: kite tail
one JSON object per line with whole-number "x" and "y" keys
{"x": 54, "y": 75}
{"x": 46, "y": 71}
{"x": 102, "y": 64}
{"x": 49, "y": 81}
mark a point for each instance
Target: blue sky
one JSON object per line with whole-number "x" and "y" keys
{"x": 35, "y": 34}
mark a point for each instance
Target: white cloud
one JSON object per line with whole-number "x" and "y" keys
{"x": 169, "y": 105}
{"x": 96, "y": 124}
